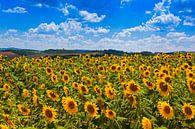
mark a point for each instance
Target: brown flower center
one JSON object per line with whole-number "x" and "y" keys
{"x": 48, "y": 113}
{"x": 167, "y": 109}
{"x": 71, "y": 105}
{"x": 90, "y": 109}
{"x": 163, "y": 87}
{"x": 133, "y": 87}
{"x": 188, "y": 110}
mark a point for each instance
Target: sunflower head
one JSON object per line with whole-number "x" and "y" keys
{"x": 66, "y": 90}
{"x": 146, "y": 123}
{"x": 110, "y": 92}
{"x": 91, "y": 109}
{"x": 165, "y": 110}
{"x": 6, "y": 87}
{"x": 148, "y": 83}
{"x": 69, "y": 105}
{"x": 48, "y": 70}
{"x": 97, "y": 90}
{"x": 53, "y": 96}
{"x": 188, "y": 110}
{"x": 4, "y": 127}
{"x": 163, "y": 88}
{"x": 49, "y": 114}
{"x": 75, "y": 85}
{"x": 110, "y": 114}
{"x": 83, "y": 89}
{"x": 133, "y": 87}
{"x": 54, "y": 78}
{"x": 65, "y": 78}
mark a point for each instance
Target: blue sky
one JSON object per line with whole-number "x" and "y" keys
{"x": 128, "y": 25}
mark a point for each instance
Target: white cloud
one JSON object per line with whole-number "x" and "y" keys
{"x": 175, "y": 35}
{"x": 15, "y": 10}
{"x": 66, "y": 28}
{"x": 97, "y": 30}
{"x": 148, "y": 12}
{"x": 162, "y": 19}
{"x": 189, "y": 21}
{"x": 66, "y": 9}
{"x": 91, "y": 17}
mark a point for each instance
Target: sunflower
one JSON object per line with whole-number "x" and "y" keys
{"x": 77, "y": 71}
{"x": 97, "y": 90}
{"x": 149, "y": 84}
{"x": 25, "y": 93}
{"x": 110, "y": 92}
{"x": 83, "y": 89}
{"x": 42, "y": 86}
{"x": 165, "y": 110}
{"x": 24, "y": 110}
{"x": 49, "y": 114}
{"x": 75, "y": 85}
{"x": 146, "y": 123}
{"x": 189, "y": 74}
{"x": 110, "y": 114}
{"x": 49, "y": 71}
{"x": 65, "y": 78}
{"x": 146, "y": 73}
{"x": 6, "y": 87}
{"x": 113, "y": 68}
{"x": 35, "y": 79}
{"x": 62, "y": 72}
{"x": 4, "y": 127}
{"x": 66, "y": 90}
{"x": 91, "y": 108}
{"x": 133, "y": 87}
{"x": 191, "y": 85}
{"x": 188, "y": 110}
{"x": 167, "y": 79}
{"x": 54, "y": 78}
{"x": 69, "y": 105}
{"x": 53, "y": 96}
{"x": 163, "y": 88}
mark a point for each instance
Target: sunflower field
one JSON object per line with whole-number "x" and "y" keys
{"x": 107, "y": 92}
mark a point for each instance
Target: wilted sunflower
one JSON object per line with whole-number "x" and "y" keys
{"x": 110, "y": 114}
{"x": 65, "y": 78}
{"x": 163, "y": 88}
{"x": 146, "y": 123}
{"x": 53, "y": 96}
{"x": 165, "y": 110}
{"x": 6, "y": 87}
{"x": 4, "y": 127}
{"x": 70, "y": 105}
{"x": 49, "y": 71}
{"x": 91, "y": 108}
{"x": 49, "y": 114}
{"x": 133, "y": 87}
{"x": 110, "y": 92}
{"x": 25, "y": 93}
{"x": 191, "y": 85}
{"x": 188, "y": 110}
{"x": 149, "y": 84}
{"x": 24, "y": 110}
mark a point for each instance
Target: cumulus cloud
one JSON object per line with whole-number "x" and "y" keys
{"x": 15, "y": 10}
{"x": 66, "y": 28}
{"x": 65, "y": 10}
{"x": 91, "y": 17}
{"x": 148, "y": 12}
{"x": 162, "y": 19}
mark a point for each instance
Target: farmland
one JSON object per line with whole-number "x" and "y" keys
{"x": 103, "y": 92}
